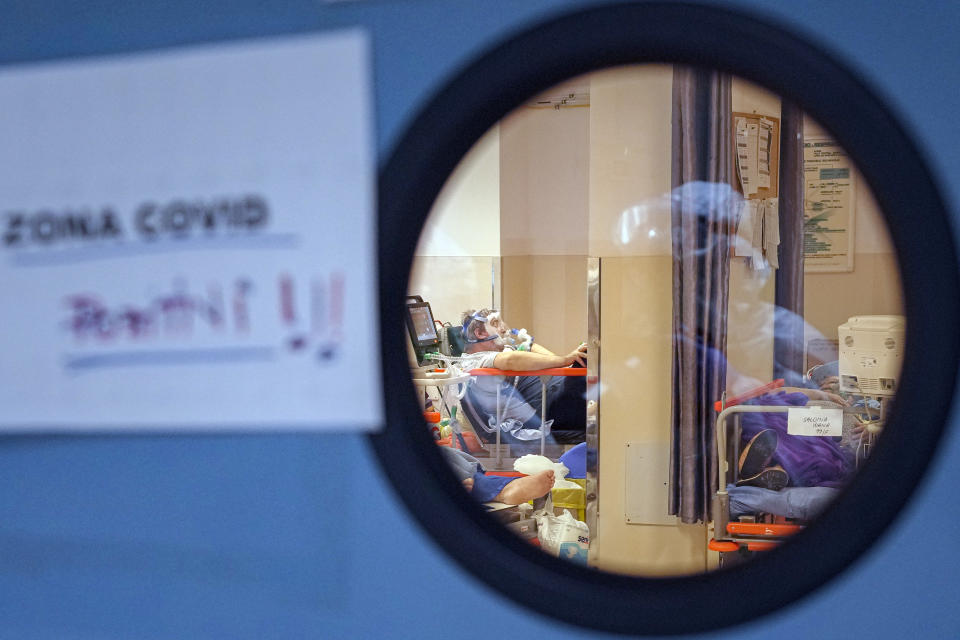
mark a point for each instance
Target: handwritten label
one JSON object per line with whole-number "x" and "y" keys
{"x": 184, "y": 236}
{"x": 814, "y": 421}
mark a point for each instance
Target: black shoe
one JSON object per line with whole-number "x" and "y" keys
{"x": 757, "y": 454}
{"x": 773, "y": 478}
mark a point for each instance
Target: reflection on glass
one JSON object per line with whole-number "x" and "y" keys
{"x": 741, "y": 285}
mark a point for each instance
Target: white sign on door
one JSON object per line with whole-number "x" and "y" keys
{"x": 187, "y": 239}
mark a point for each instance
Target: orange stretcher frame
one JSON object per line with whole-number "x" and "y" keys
{"x": 561, "y": 371}
{"x": 720, "y": 405}
{"x": 754, "y": 536}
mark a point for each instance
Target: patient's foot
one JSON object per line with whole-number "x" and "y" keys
{"x": 526, "y": 488}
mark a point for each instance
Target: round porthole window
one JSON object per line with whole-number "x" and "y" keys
{"x": 655, "y": 311}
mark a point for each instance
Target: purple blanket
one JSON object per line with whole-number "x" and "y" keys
{"x": 810, "y": 461}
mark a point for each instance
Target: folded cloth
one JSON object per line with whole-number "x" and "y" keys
{"x": 802, "y": 503}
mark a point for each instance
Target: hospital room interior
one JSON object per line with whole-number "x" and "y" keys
{"x": 706, "y": 263}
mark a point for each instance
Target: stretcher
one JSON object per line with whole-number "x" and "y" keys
{"x": 750, "y": 536}
{"x": 544, "y": 375}
{"x": 732, "y": 536}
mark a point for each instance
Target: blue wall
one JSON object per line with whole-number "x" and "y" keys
{"x": 300, "y": 536}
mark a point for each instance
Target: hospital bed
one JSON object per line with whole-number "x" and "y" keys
{"x": 452, "y": 398}
{"x": 492, "y": 434}
{"x": 758, "y": 531}
{"x": 434, "y": 350}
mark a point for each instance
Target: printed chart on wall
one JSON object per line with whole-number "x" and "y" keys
{"x": 828, "y": 207}
{"x": 187, "y": 240}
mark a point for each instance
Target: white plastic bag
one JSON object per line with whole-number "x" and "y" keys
{"x": 563, "y": 536}
{"x": 516, "y": 429}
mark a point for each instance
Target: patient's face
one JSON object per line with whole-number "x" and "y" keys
{"x": 492, "y": 345}
{"x": 496, "y": 323}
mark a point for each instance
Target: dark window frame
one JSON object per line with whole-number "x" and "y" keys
{"x": 529, "y": 62}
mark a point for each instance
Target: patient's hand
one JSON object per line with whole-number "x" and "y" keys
{"x": 577, "y": 356}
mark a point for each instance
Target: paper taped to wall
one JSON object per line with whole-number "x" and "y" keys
{"x": 183, "y": 235}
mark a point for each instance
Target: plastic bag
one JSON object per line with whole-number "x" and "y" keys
{"x": 516, "y": 429}
{"x": 563, "y": 536}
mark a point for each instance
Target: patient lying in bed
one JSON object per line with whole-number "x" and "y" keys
{"x": 489, "y": 488}
{"x": 516, "y": 401}
{"x": 786, "y": 475}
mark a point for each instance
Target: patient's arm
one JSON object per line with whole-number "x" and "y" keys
{"x": 536, "y": 348}
{"x": 531, "y": 361}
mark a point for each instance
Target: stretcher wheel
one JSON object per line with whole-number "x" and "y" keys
{"x": 722, "y": 545}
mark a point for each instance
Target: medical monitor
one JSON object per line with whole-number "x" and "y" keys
{"x": 871, "y": 354}
{"x": 421, "y": 327}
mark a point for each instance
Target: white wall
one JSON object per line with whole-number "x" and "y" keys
{"x": 751, "y": 98}
{"x": 544, "y": 163}
{"x": 544, "y": 185}
{"x": 630, "y": 161}
{"x": 465, "y": 219}
{"x": 457, "y": 265}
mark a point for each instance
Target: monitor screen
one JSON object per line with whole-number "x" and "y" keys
{"x": 422, "y": 320}
{"x": 420, "y": 326}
